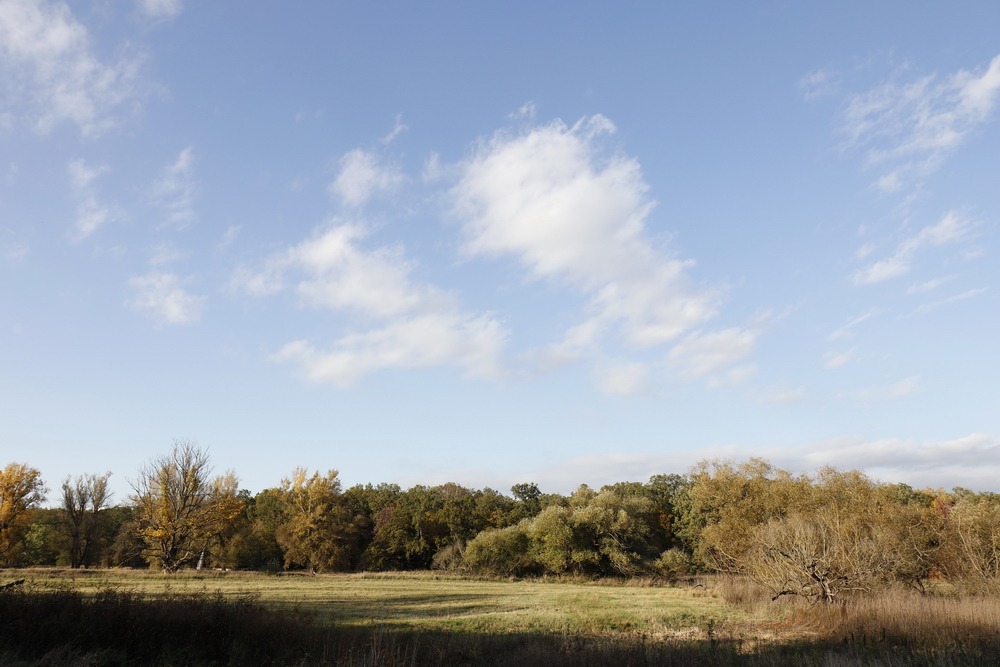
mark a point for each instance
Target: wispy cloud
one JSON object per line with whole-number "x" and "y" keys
{"x": 786, "y": 397}
{"x": 163, "y": 297}
{"x": 50, "y": 75}
{"x": 950, "y": 229}
{"x": 174, "y": 192}
{"x": 929, "y": 285}
{"x": 904, "y": 387}
{"x": 420, "y": 325}
{"x": 908, "y": 129}
{"x": 846, "y": 330}
{"x": 714, "y": 355}
{"x": 623, "y": 379}
{"x": 832, "y": 360}
{"x": 91, "y": 214}
{"x": 552, "y": 197}
{"x": 397, "y": 129}
{"x": 819, "y": 83}
{"x": 362, "y": 174}
{"x": 229, "y": 237}
{"x": 165, "y": 253}
{"x": 927, "y": 307}
{"x": 161, "y": 9}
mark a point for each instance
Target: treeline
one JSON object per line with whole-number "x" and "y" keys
{"x": 818, "y": 535}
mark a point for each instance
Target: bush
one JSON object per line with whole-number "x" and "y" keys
{"x": 501, "y": 552}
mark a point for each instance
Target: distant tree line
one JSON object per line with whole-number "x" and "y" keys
{"x": 818, "y": 535}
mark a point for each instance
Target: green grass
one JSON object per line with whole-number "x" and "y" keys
{"x": 430, "y": 602}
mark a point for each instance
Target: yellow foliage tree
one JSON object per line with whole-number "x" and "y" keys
{"x": 180, "y": 508}
{"x": 321, "y": 533}
{"x": 21, "y": 489}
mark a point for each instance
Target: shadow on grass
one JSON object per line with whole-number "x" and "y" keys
{"x": 120, "y": 628}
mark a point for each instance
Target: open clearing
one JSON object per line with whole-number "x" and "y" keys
{"x": 429, "y": 601}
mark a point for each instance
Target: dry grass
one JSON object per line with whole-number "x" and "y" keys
{"x": 907, "y": 618}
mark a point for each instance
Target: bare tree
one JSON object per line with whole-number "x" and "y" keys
{"x": 180, "y": 508}
{"x": 83, "y": 500}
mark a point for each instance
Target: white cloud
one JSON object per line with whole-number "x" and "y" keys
{"x": 832, "y": 360}
{"x": 911, "y": 128}
{"x": 91, "y": 215}
{"x": 49, "y": 73}
{"x": 420, "y": 325}
{"x": 161, "y": 296}
{"x": 552, "y": 198}
{"x": 362, "y": 175}
{"x": 904, "y": 387}
{"x": 968, "y": 294}
{"x": 161, "y": 9}
{"x": 419, "y": 341}
{"x": 950, "y": 229}
{"x": 174, "y": 192}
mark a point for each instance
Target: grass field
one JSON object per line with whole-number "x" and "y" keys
{"x": 117, "y": 617}
{"x": 428, "y": 601}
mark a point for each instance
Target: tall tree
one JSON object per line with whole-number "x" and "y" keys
{"x": 180, "y": 508}
{"x": 322, "y": 532}
{"x": 21, "y": 489}
{"x": 83, "y": 499}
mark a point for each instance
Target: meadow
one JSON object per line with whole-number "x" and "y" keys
{"x": 123, "y": 617}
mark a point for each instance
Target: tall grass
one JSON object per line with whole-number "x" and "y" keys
{"x": 935, "y": 623}
{"x": 906, "y": 618}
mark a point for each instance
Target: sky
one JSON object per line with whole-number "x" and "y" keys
{"x": 492, "y": 243}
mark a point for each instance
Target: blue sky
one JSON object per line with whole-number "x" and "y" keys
{"x": 551, "y": 242}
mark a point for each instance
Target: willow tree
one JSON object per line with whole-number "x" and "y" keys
{"x": 181, "y": 508}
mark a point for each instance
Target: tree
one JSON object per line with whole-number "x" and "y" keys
{"x": 21, "y": 489}
{"x": 180, "y": 508}
{"x": 83, "y": 500}
{"x": 719, "y": 510}
{"x": 973, "y": 539}
{"x": 322, "y": 533}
